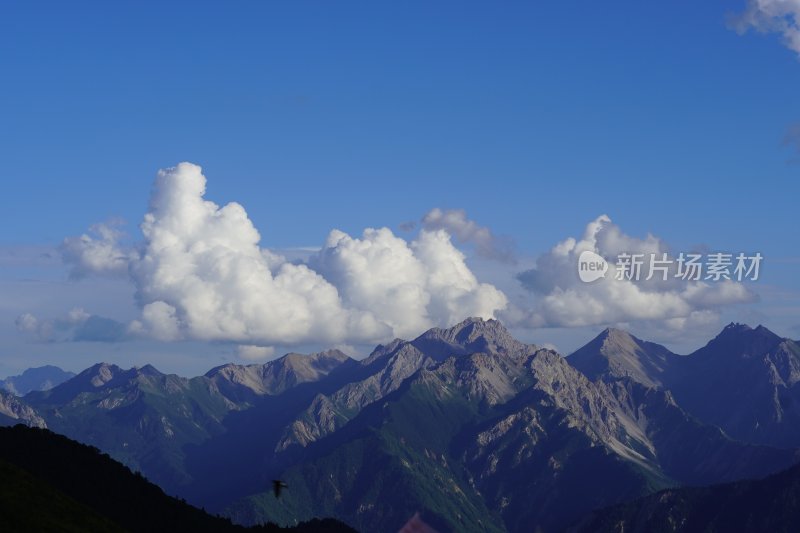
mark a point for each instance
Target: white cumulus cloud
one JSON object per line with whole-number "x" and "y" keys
{"x": 200, "y": 273}
{"x": 408, "y": 286}
{"x": 562, "y": 299}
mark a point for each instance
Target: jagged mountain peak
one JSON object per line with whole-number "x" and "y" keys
{"x": 741, "y": 339}
{"x": 15, "y": 411}
{"x": 274, "y": 377}
{"x": 619, "y": 337}
{"x": 99, "y": 374}
{"x": 102, "y": 365}
{"x": 313, "y": 366}
{"x": 383, "y": 350}
{"x": 752, "y": 373}
{"x": 470, "y": 336}
{"x": 737, "y": 327}
{"x": 100, "y": 378}
{"x": 615, "y": 353}
{"x": 469, "y": 329}
{"x": 323, "y": 358}
{"x": 615, "y": 332}
{"x": 146, "y": 370}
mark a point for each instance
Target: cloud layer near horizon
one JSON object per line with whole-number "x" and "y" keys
{"x": 75, "y": 326}
{"x": 200, "y": 273}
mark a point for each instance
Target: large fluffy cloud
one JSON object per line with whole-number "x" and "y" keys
{"x": 778, "y": 16}
{"x": 200, "y": 273}
{"x": 406, "y": 286}
{"x": 562, "y": 299}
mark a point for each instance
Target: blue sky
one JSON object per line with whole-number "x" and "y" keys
{"x": 533, "y": 117}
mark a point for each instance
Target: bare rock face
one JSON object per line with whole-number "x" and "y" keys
{"x": 491, "y": 364}
{"x": 243, "y": 382}
{"x": 471, "y": 336}
{"x": 745, "y": 380}
{"x": 384, "y": 371}
{"x": 618, "y": 354}
{"x": 14, "y": 411}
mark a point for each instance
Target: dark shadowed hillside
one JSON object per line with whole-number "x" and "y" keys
{"x": 769, "y": 505}
{"x": 50, "y": 483}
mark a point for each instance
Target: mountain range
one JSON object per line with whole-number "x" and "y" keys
{"x": 745, "y": 380}
{"x": 466, "y": 425}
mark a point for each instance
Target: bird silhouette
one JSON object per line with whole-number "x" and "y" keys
{"x": 277, "y": 486}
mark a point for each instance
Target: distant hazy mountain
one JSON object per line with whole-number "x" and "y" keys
{"x": 50, "y": 483}
{"x": 466, "y": 425}
{"x": 35, "y": 379}
{"x": 770, "y": 505}
{"x": 616, "y": 354}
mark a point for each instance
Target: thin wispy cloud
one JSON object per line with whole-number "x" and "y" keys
{"x": 76, "y": 326}
{"x": 97, "y": 252}
{"x": 255, "y": 353}
{"x": 792, "y": 137}
{"x": 772, "y": 16}
{"x": 467, "y": 231}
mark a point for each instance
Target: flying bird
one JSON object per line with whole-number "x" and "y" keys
{"x": 277, "y": 486}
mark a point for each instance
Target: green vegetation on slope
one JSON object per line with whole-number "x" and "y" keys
{"x": 396, "y": 452}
